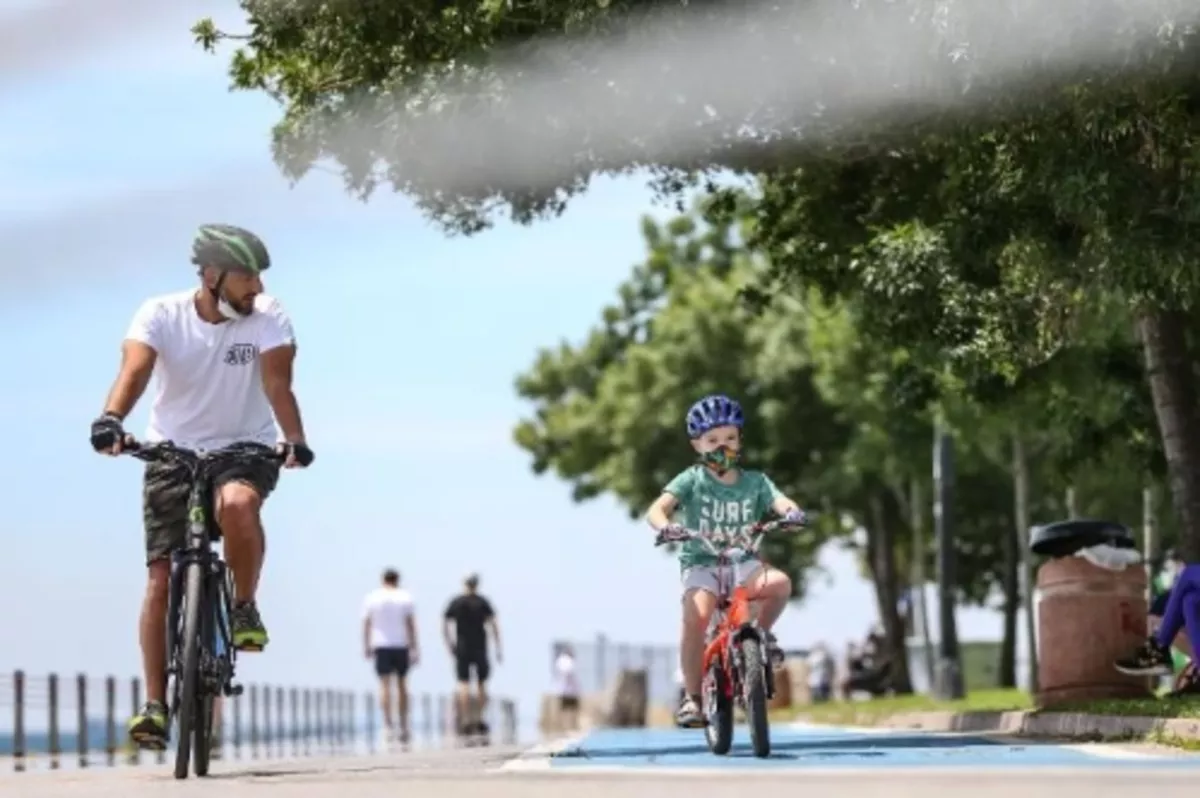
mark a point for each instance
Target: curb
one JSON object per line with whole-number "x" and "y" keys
{"x": 1073, "y": 725}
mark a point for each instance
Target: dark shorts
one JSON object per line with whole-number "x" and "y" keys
{"x": 165, "y": 491}
{"x": 389, "y": 661}
{"x": 1158, "y": 607}
{"x": 568, "y": 703}
{"x": 468, "y": 661}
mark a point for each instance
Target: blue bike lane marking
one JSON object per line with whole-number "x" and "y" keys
{"x": 797, "y": 747}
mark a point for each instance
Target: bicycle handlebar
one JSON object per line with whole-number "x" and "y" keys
{"x": 748, "y": 541}
{"x": 168, "y": 451}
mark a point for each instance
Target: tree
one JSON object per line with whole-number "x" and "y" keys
{"x": 821, "y": 401}
{"x": 608, "y": 414}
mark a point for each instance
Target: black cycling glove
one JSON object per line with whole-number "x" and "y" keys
{"x": 304, "y": 455}
{"x": 107, "y": 431}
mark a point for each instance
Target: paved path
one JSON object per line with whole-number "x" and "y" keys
{"x": 838, "y": 763}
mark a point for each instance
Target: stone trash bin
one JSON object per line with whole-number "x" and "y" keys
{"x": 1087, "y": 615}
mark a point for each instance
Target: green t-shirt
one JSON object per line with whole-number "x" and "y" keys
{"x": 706, "y": 504}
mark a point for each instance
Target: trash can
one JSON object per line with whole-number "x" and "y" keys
{"x": 1087, "y": 615}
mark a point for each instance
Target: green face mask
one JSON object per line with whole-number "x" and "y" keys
{"x": 721, "y": 459}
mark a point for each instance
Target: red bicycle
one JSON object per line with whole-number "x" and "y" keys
{"x": 737, "y": 670}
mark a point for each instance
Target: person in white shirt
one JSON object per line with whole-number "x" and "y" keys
{"x": 566, "y": 683}
{"x": 223, "y": 356}
{"x": 390, "y": 638}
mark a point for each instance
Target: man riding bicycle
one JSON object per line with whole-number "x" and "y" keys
{"x": 224, "y": 356}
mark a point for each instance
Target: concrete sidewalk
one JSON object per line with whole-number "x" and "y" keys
{"x": 1058, "y": 725}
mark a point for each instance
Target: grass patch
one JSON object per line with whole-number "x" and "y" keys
{"x": 1137, "y": 708}
{"x": 865, "y": 713}
{"x": 875, "y": 710}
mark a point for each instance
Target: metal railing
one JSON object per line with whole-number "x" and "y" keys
{"x": 264, "y": 722}
{"x": 598, "y": 663}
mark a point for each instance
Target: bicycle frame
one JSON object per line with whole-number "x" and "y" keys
{"x": 734, "y": 621}
{"x": 218, "y": 655}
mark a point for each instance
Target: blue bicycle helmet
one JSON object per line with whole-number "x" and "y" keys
{"x": 712, "y": 412}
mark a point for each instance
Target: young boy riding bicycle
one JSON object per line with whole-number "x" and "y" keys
{"x": 709, "y": 497}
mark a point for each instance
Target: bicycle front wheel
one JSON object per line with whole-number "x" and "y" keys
{"x": 189, "y": 670}
{"x": 754, "y": 695}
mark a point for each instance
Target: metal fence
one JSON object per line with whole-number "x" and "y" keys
{"x": 598, "y": 663}
{"x": 264, "y": 722}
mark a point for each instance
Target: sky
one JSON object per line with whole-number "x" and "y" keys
{"x": 409, "y": 342}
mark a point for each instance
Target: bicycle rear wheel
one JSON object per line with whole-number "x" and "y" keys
{"x": 718, "y": 710}
{"x": 202, "y": 743}
{"x": 203, "y": 720}
{"x": 189, "y": 670}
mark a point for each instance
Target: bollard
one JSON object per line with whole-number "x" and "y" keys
{"x": 280, "y": 724}
{"x": 427, "y": 711}
{"x": 110, "y": 720}
{"x": 339, "y": 726}
{"x": 254, "y": 721}
{"x": 370, "y": 723}
{"x": 55, "y": 749}
{"x": 237, "y": 727}
{"x": 135, "y": 696}
{"x": 294, "y": 730}
{"x": 318, "y": 719}
{"x": 352, "y": 715}
{"x": 266, "y": 722}
{"x": 307, "y": 721}
{"x": 19, "y": 721}
{"x": 441, "y": 718}
{"x": 81, "y": 737}
{"x": 330, "y": 715}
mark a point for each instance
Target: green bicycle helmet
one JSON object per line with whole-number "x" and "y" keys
{"x": 230, "y": 248}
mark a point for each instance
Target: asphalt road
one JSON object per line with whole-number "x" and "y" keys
{"x": 836, "y": 763}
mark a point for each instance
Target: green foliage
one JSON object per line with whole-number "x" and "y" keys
{"x": 991, "y": 267}
{"x": 838, "y": 418}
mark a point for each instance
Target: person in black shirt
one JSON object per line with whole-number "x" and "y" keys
{"x": 468, "y": 620}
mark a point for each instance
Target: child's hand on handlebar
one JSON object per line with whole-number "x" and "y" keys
{"x": 671, "y": 533}
{"x": 795, "y": 516}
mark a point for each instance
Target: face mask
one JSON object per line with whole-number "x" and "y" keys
{"x": 721, "y": 459}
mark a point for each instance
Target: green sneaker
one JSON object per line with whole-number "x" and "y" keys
{"x": 249, "y": 634}
{"x": 148, "y": 728}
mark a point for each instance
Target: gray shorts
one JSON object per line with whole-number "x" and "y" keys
{"x": 165, "y": 492}
{"x": 709, "y": 578}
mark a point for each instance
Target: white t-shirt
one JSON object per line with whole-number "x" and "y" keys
{"x": 388, "y": 609}
{"x": 210, "y": 392}
{"x": 565, "y": 679}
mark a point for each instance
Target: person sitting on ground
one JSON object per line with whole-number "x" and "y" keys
{"x": 1180, "y": 608}
{"x": 873, "y": 674}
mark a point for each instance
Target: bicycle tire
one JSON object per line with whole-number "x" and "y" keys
{"x": 718, "y": 727}
{"x": 202, "y": 735}
{"x": 189, "y": 676}
{"x": 202, "y": 740}
{"x": 754, "y": 694}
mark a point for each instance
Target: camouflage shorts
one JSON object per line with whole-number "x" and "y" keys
{"x": 165, "y": 494}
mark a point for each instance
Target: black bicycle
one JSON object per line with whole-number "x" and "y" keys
{"x": 200, "y": 655}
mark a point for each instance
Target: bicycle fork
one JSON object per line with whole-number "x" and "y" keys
{"x": 751, "y": 630}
